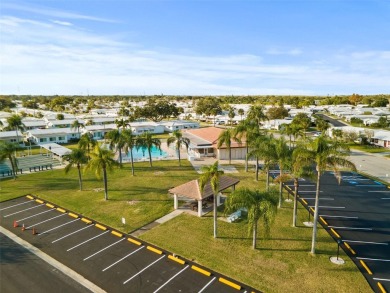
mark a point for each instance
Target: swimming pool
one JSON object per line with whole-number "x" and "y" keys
{"x": 142, "y": 153}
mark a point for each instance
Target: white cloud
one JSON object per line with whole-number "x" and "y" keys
{"x": 41, "y": 57}
{"x": 65, "y": 23}
{"x": 291, "y": 52}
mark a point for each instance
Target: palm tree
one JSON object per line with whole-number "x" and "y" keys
{"x": 87, "y": 142}
{"x": 129, "y": 144}
{"x": 323, "y": 153}
{"x": 177, "y": 137}
{"x": 241, "y": 112}
{"x": 121, "y": 123}
{"x": 76, "y": 158}
{"x": 261, "y": 205}
{"x": 256, "y": 113}
{"x": 102, "y": 160}
{"x": 225, "y": 138}
{"x": 7, "y": 150}
{"x": 116, "y": 142}
{"x": 147, "y": 141}
{"x": 15, "y": 123}
{"x": 211, "y": 174}
{"x": 77, "y": 125}
{"x": 283, "y": 157}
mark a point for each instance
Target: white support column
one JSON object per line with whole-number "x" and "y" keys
{"x": 175, "y": 201}
{"x": 200, "y": 212}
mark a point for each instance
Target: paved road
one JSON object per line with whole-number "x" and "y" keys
{"x": 374, "y": 164}
{"x": 23, "y": 271}
{"x": 334, "y": 122}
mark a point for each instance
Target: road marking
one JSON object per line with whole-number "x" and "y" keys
{"x": 378, "y": 279}
{"x": 34, "y": 215}
{"x": 321, "y": 198}
{"x": 307, "y": 191}
{"x": 15, "y": 205}
{"x": 70, "y": 234}
{"x": 366, "y": 242}
{"x": 58, "y": 227}
{"x": 371, "y": 185}
{"x": 382, "y": 191}
{"x": 373, "y": 259}
{"x": 351, "y": 228}
{"x": 342, "y": 217}
{"x": 34, "y": 225}
{"x": 385, "y": 198}
{"x": 90, "y": 239}
{"x": 122, "y": 258}
{"x": 328, "y": 207}
{"x": 24, "y": 210}
{"x": 208, "y": 284}
{"x": 145, "y": 268}
{"x": 103, "y": 249}
{"x": 163, "y": 285}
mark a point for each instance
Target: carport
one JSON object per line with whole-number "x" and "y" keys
{"x": 56, "y": 149}
{"x": 192, "y": 190}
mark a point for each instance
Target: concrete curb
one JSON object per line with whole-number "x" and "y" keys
{"x": 61, "y": 267}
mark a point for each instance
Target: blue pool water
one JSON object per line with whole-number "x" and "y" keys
{"x": 143, "y": 153}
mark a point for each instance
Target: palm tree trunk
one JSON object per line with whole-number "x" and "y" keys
{"x": 215, "y": 216}
{"x": 80, "y": 181}
{"x": 105, "y": 184}
{"x": 296, "y": 184}
{"x": 254, "y": 240}
{"x": 280, "y": 188}
{"x": 267, "y": 179}
{"x": 178, "y": 153}
{"x": 132, "y": 162}
{"x": 316, "y": 212}
{"x": 246, "y": 158}
{"x": 150, "y": 156}
{"x": 12, "y": 160}
{"x": 230, "y": 155}
{"x": 120, "y": 156}
{"x": 257, "y": 168}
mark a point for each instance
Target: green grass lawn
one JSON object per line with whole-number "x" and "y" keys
{"x": 369, "y": 148}
{"x": 280, "y": 264}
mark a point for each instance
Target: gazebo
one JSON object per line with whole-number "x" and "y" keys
{"x": 192, "y": 190}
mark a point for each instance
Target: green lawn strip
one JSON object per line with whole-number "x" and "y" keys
{"x": 281, "y": 264}
{"x": 140, "y": 199}
{"x": 369, "y": 148}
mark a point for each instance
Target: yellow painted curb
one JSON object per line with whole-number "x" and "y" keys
{"x": 73, "y": 215}
{"x": 154, "y": 250}
{"x": 231, "y": 284}
{"x": 134, "y": 241}
{"x": 350, "y": 248}
{"x": 323, "y": 221}
{"x": 312, "y": 210}
{"x": 116, "y": 233}
{"x": 61, "y": 210}
{"x": 29, "y": 197}
{"x": 383, "y": 290}
{"x": 39, "y": 201}
{"x": 176, "y": 259}
{"x": 101, "y": 227}
{"x": 366, "y": 267}
{"x": 335, "y": 233}
{"x": 86, "y": 221}
{"x": 50, "y": 205}
{"x": 304, "y": 201}
{"x": 202, "y": 271}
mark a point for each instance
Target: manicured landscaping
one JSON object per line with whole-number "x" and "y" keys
{"x": 280, "y": 264}
{"x": 369, "y": 148}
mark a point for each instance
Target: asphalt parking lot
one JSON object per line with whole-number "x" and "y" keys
{"x": 357, "y": 213}
{"x": 113, "y": 261}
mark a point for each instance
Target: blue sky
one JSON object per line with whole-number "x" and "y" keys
{"x": 183, "y": 47}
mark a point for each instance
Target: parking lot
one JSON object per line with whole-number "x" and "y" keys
{"x": 113, "y": 261}
{"x": 357, "y": 213}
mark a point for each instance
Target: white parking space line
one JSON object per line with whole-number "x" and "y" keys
{"x": 308, "y": 191}
{"x": 379, "y": 279}
{"x": 381, "y": 191}
{"x": 24, "y": 210}
{"x": 35, "y": 215}
{"x": 34, "y": 225}
{"x": 208, "y": 284}
{"x": 385, "y": 198}
{"x": 373, "y": 259}
{"x": 321, "y": 198}
{"x": 350, "y": 228}
{"x": 90, "y": 239}
{"x": 103, "y": 249}
{"x": 341, "y": 217}
{"x": 328, "y": 207}
{"x": 366, "y": 242}
{"x": 59, "y": 226}
{"x": 15, "y": 205}
{"x": 118, "y": 261}
{"x": 145, "y": 268}
{"x": 72, "y": 233}
{"x": 366, "y": 185}
{"x": 163, "y": 285}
